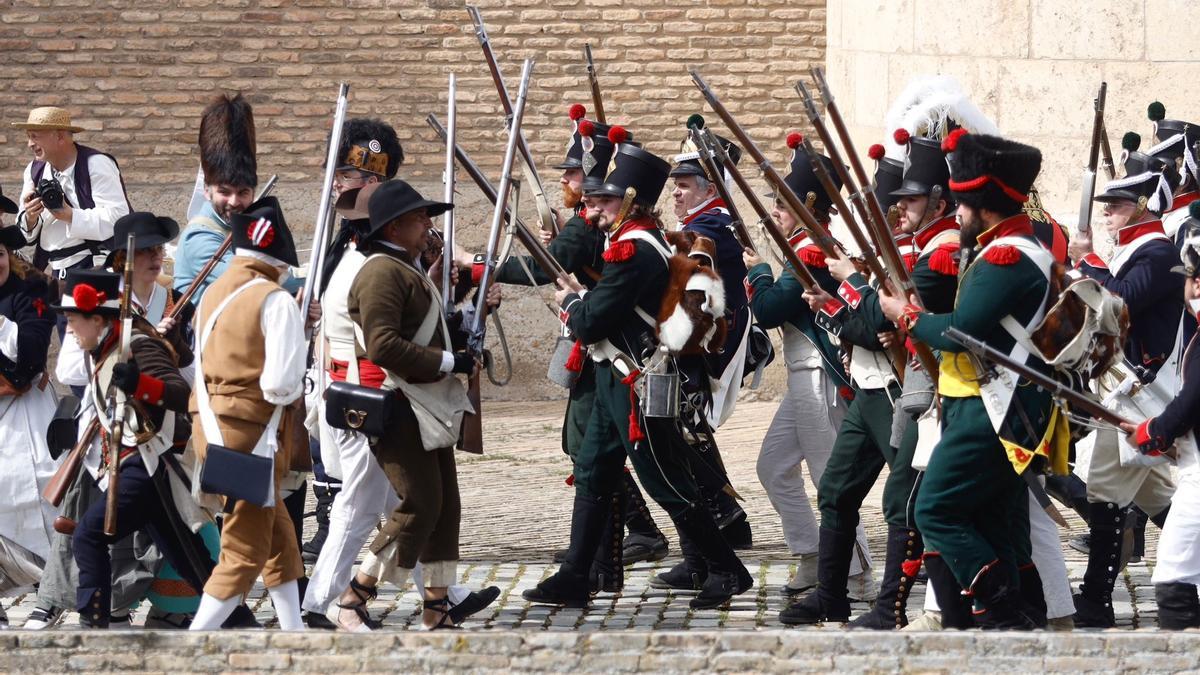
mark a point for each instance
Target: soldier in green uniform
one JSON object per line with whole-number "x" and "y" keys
{"x": 805, "y": 426}
{"x": 616, "y": 321}
{"x": 972, "y": 508}
{"x": 579, "y": 248}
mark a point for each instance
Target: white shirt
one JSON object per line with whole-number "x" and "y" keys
{"x": 95, "y": 224}
{"x": 282, "y": 379}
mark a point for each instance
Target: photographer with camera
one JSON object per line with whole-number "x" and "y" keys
{"x": 71, "y": 195}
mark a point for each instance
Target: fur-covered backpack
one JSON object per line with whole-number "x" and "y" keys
{"x": 691, "y": 319}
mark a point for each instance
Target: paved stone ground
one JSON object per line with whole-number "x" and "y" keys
{"x": 517, "y": 510}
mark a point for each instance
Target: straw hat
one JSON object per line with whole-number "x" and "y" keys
{"x": 48, "y": 117}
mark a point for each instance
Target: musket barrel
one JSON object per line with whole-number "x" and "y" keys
{"x": 448, "y": 195}
{"x": 316, "y": 267}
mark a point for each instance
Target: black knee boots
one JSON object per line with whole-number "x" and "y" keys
{"x": 569, "y": 585}
{"x": 890, "y": 610}
{"x": 956, "y": 607}
{"x": 608, "y": 574}
{"x": 1093, "y": 602}
{"x": 727, "y": 576}
{"x": 830, "y": 600}
{"x": 1178, "y": 606}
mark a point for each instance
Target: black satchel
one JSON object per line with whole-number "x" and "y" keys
{"x": 354, "y": 407}
{"x": 63, "y": 430}
{"x": 237, "y": 475}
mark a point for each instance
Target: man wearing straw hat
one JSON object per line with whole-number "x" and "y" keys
{"x": 71, "y": 194}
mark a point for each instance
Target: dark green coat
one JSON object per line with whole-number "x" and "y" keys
{"x": 579, "y": 248}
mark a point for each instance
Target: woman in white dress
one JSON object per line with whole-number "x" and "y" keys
{"x": 27, "y": 403}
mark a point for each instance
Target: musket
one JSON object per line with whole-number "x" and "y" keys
{"x": 188, "y": 292}
{"x": 472, "y": 435}
{"x": 545, "y": 213}
{"x": 448, "y": 197}
{"x": 796, "y": 266}
{"x": 117, "y": 401}
{"x": 1089, "y": 171}
{"x": 1075, "y": 400}
{"x": 548, "y": 264}
{"x": 858, "y": 185}
{"x": 790, "y": 200}
{"x": 713, "y": 166}
{"x": 322, "y": 230}
{"x": 597, "y": 100}
{"x": 1106, "y": 157}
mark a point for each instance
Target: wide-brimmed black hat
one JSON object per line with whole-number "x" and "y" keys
{"x": 7, "y": 205}
{"x": 1144, "y": 177}
{"x": 91, "y": 291}
{"x": 990, "y": 172}
{"x": 394, "y": 198}
{"x": 687, "y": 162}
{"x": 888, "y": 175}
{"x": 803, "y": 180}
{"x": 634, "y": 168}
{"x": 147, "y": 230}
{"x": 13, "y": 238}
{"x": 262, "y": 229}
{"x": 924, "y": 168}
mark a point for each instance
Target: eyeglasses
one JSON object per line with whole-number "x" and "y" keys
{"x": 349, "y": 179}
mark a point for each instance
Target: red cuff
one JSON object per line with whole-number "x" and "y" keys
{"x": 476, "y": 273}
{"x": 149, "y": 389}
{"x": 850, "y": 294}
{"x": 832, "y": 307}
{"x": 1093, "y": 260}
{"x": 909, "y": 317}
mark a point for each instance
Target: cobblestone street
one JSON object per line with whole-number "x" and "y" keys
{"x": 516, "y": 513}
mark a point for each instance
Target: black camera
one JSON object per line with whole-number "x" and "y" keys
{"x": 51, "y": 194}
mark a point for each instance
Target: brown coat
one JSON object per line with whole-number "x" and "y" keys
{"x": 388, "y": 301}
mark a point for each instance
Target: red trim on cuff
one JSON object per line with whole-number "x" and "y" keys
{"x": 476, "y": 273}
{"x": 1143, "y": 437}
{"x": 832, "y": 307}
{"x": 909, "y": 317}
{"x": 149, "y": 389}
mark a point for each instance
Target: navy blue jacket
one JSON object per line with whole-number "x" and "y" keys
{"x": 24, "y": 303}
{"x": 1154, "y": 295}
{"x": 717, "y": 226}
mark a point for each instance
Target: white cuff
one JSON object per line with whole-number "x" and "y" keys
{"x": 447, "y": 362}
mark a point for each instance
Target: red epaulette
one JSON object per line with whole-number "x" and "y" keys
{"x": 619, "y": 251}
{"x": 812, "y": 256}
{"x": 1093, "y": 260}
{"x": 943, "y": 259}
{"x": 1002, "y": 255}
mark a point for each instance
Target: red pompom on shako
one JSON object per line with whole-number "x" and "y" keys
{"x": 87, "y": 298}
{"x": 587, "y": 128}
{"x": 901, "y": 136}
{"x": 876, "y": 152}
{"x": 618, "y": 134}
{"x": 260, "y": 233}
{"x": 950, "y": 143}
{"x": 794, "y": 140}
{"x": 577, "y": 111}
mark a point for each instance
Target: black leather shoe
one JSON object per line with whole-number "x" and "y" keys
{"x": 560, "y": 555}
{"x": 644, "y": 548}
{"x": 720, "y": 588}
{"x": 474, "y": 603}
{"x": 1178, "y": 606}
{"x": 317, "y": 621}
{"x": 679, "y": 578}
{"x": 562, "y": 588}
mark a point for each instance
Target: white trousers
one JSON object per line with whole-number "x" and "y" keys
{"x": 804, "y": 430}
{"x": 1150, "y": 487}
{"x": 1179, "y": 544}
{"x": 365, "y": 496}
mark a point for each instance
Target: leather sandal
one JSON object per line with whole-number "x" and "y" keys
{"x": 364, "y": 594}
{"x": 442, "y": 605}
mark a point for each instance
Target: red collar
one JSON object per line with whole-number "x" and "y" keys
{"x": 1012, "y": 226}
{"x": 927, "y": 233}
{"x": 710, "y": 205}
{"x": 798, "y": 239}
{"x": 904, "y": 239}
{"x": 642, "y": 223}
{"x": 1182, "y": 201}
{"x": 1130, "y": 232}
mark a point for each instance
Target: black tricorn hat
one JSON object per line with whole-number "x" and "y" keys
{"x": 91, "y": 291}
{"x": 228, "y": 152}
{"x": 924, "y": 168}
{"x": 7, "y": 205}
{"x": 688, "y": 159}
{"x": 394, "y": 198}
{"x": 13, "y": 238}
{"x": 262, "y": 229}
{"x": 1144, "y": 177}
{"x": 990, "y": 172}
{"x": 803, "y": 181}
{"x": 147, "y": 230}
{"x": 370, "y": 145}
{"x": 634, "y": 168}
{"x": 888, "y": 174}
